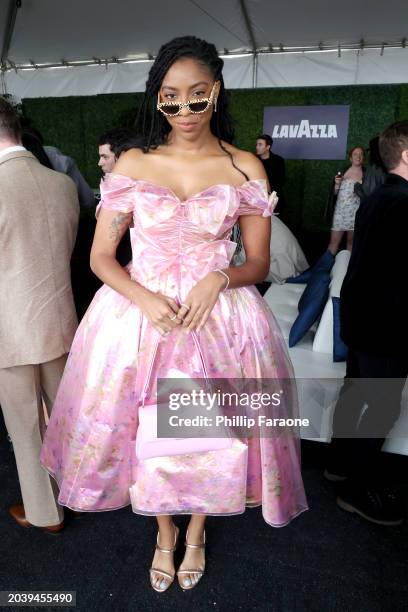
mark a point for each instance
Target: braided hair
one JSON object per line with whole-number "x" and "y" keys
{"x": 153, "y": 128}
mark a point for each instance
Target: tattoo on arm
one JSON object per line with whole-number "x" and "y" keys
{"x": 118, "y": 226}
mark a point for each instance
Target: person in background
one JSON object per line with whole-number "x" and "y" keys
{"x": 67, "y": 165}
{"x": 31, "y": 142}
{"x": 374, "y": 326}
{"x": 59, "y": 162}
{"x": 347, "y": 202}
{"x": 375, "y": 174}
{"x": 111, "y": 144}
{"x": 344, "y": 202}
{"x": 39, "y": 213}
{"x": 274, "y": 167}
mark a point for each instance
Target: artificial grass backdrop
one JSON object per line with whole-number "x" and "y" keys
{"x": 73, "y": 124}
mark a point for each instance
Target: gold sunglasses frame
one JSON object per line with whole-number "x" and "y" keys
{"x": 182, "y": 105}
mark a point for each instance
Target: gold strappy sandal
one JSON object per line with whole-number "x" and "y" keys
{"x": 155, "y": 570}
{"x": 199, "y": 572}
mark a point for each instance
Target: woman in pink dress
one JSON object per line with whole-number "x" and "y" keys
{"x": 179, "y": 305}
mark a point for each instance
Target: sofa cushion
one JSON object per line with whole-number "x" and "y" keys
{"x": 301, "y": 278}
{"x": 311, "y": 304}
{"x": 323, "y": 340}
{"x": 338, "y": 272}
{"x": 283, "y": 300}
{"x": 340, "y": 349}
{"x": 287, "y": 257}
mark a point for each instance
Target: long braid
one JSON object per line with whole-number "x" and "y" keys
{"x": 236, "y": 230}
{"x": 232, "y": 159}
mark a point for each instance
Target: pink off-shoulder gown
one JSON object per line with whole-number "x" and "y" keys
{"x": 89, "y": 446}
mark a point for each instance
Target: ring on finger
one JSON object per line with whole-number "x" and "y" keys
{"x": 186, "y": 306}
{"x": 174, "y": 317}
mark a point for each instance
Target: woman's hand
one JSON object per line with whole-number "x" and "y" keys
{"x": 160, "y": 310}
{"x": 201, "y": 300}
{"x": 337, "y": 182}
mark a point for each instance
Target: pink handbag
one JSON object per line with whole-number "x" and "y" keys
{"x": 148, "y": 445}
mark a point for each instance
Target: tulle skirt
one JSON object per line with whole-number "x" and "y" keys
{"x": 89, "y": 447}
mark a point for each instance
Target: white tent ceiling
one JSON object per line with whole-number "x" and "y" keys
{"x": 51, "y": 32}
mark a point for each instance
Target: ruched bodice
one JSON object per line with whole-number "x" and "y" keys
{"x": 187, "y": 238}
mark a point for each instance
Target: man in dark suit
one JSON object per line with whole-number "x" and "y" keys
{"x": 374, "y": 308}
{"x": 274, "y": 167}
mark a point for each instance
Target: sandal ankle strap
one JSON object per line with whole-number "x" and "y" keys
{"x": 194, "y": 545}
{"x": 187, "y": 545}
{"x": 167, "y": 550}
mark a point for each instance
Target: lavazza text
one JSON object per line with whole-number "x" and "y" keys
{"x": 305, "y": 130}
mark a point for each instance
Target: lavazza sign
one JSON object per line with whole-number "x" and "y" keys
{"x": 308, "y": 132}
{"x": 304, "y": 129}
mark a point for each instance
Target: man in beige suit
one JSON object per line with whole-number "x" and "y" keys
{"x": 38, "y": 223}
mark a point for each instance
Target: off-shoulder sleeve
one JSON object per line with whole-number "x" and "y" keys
{"x": 117, "y": 193}
{"x": 254, "y": 199}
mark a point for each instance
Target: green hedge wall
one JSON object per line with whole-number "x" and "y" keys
{"x": 74, "y": 123}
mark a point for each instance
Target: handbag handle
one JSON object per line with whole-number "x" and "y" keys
{"x": 153, "y": 357}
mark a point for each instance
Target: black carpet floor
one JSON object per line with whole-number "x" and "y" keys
{"x": 325, "y": 560}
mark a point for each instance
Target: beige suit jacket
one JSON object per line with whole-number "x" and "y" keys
{"x": 39, "y": 214}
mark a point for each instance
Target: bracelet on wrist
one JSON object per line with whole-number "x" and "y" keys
{"x": 226, "y": 276}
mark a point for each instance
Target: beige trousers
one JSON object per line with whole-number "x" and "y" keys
{"x": 27, "y": 394}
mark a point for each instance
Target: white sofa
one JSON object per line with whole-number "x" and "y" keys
{"x": 319, "y": 378}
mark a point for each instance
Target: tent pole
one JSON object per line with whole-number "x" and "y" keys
{"x": 14, "y": 5}
{"x": 255, "y": 71}
{"x": 250, "y": 31}
{"x": 3, "y": 83}
{"x": 248, "y": 25}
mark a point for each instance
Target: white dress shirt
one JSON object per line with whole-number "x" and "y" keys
{"x": 11, "y": 150}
